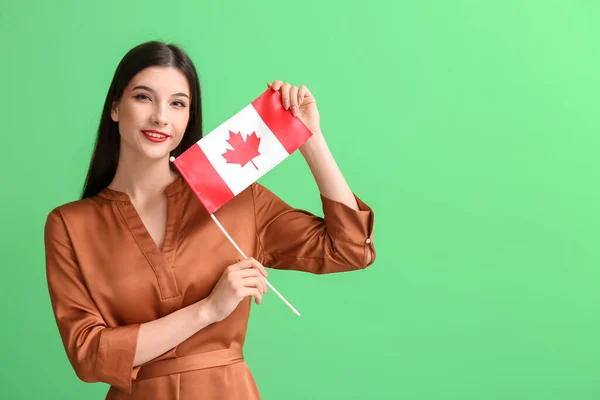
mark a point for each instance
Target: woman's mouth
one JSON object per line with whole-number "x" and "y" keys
{"x": 155, "y": 136}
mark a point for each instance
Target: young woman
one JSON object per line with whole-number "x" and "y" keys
{"x": 147, "y": 292}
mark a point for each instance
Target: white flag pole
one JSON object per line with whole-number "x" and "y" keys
{"x": 244, "y": 255}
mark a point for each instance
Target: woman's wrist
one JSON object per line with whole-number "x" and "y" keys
{"x": 204, "y": 314}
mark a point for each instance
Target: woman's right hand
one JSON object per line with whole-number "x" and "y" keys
{"x": 242, "y": 279}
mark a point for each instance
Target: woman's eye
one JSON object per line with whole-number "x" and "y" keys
{"x": 141, "y": 97}
{"x": 179, "y": 103}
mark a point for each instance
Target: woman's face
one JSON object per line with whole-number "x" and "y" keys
{"x": 153, "y": 112}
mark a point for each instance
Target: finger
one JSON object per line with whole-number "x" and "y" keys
{"x": 254, "y": 292}
{"x": 251, "y": 281}
{"x": 246, "y": 273}
{"x": 257, "y": 271}
{"x": 276, "y": 85}
{"x": 242, "y": 264}
{"x": 294, "y": 100}
{"x": 253, "y": 263}
{"x": 285, "y": 95}
{"x": 236, "y": 267}
{"x": 263, "y": 284}
{"x": 255, "y": 282}
{"x": 259, "y": 266}
{"x": 249, "y": 263}
{"x": 302, "y": 92}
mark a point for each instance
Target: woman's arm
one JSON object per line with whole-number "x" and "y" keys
{"x": 329, "y": 178}
{"x": 242, "y": 279}
{"x": 161, "y": 335}
{"x": 110, "y": 354}
{"x": 326, "y": 172}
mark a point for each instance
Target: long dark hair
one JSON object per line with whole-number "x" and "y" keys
{"x": 103, "y": 165}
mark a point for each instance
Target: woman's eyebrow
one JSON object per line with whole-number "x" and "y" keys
{"x": 152, "y": 90}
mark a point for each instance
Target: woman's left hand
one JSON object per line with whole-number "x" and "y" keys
{"x": 301, "y": 103}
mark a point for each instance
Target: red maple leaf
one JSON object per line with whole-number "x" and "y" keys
{"x": 243, "y": 151}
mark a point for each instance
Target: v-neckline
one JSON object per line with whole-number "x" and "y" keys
{"x": 144, "y": 238}
{"x": 161, "y": 260}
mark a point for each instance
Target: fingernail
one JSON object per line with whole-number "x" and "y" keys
{"x": 294, "y": 110}
{"x": 286, "y": 104}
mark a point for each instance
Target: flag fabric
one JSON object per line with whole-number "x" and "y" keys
{"x": 241, "y": 150}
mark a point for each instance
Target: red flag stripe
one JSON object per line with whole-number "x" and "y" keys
{"x": 203, "y": 179}
{"x": 289, "y": 130}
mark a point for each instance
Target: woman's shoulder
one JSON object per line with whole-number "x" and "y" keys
{"x": 83, "y": 209}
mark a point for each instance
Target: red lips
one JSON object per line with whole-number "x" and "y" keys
{"x": 156, "y": 137}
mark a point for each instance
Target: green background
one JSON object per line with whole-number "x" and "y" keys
{"x": 468, "y": 126}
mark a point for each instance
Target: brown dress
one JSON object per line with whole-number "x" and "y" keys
{"x": 106, "y": 276}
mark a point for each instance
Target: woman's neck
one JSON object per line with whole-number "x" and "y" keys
{"x": 142, "y": 179}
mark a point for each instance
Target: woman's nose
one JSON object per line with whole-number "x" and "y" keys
{"x": 160, "y": 115}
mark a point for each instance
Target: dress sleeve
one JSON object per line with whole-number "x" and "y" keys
{"x": 98, "y": 353}
{"x": 295, "y": 239}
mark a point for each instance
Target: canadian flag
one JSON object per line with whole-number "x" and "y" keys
{"x": 242, "y": 149}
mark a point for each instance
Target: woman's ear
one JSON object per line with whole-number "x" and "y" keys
{"x": 114, "y": 111}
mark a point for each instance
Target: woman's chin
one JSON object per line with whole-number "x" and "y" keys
{"x": 147, "y": 151}
{"x": 156, "y": 154}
